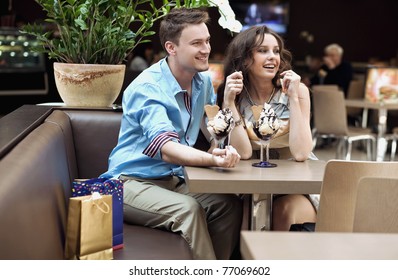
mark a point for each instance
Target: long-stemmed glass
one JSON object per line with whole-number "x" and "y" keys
{"x": 220, "y": 124}
{"x": 220, "y": 138}
{"x": 265, "y": 126}
{"x": 264, "y": 142}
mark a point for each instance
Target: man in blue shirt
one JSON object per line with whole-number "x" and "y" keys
{"x": 163, "y": 109}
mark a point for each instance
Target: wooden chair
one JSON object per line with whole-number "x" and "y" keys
{"x": 376, "y": 208}
{"x": 330, "y": 121}
{"x": 324, "y": 87}
{"x": 393, "y": 137}
{"x": 339, "y": 191}
{"x": 356, "y": 90}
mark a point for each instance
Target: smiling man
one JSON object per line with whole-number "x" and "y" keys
{"x": 162, "y": 113}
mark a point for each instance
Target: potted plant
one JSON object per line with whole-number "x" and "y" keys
{"x": 97, "y": 33}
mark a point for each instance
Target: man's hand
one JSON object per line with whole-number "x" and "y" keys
{"x": 227, "y": 157}
{"x": 329, "y": 62}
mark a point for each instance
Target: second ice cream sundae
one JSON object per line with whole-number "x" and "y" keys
{"x": 220, "y": 122}
{"x": 267, "y": 122}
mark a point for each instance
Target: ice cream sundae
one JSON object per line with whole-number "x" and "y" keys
{"x": 220, "y": 122}
{"x": 266, "y": 125}
{"x": 267, "y": 122}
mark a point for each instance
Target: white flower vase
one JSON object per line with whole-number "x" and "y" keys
{"x": 88, "y": 85}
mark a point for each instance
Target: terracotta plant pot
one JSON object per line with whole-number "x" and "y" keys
{"x": 89, "y": 85}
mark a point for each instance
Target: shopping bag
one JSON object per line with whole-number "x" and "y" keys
{"x": 89, "y": 228}
{"x": 112, "y": 187}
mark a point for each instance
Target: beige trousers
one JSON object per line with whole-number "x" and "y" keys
{"x": 210, "y": 223}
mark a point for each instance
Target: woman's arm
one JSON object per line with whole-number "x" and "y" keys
{"x": 300, "y": 137}
{"x": 239, "y": 137}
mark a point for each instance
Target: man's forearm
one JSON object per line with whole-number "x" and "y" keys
{"x": 179, "y": 154}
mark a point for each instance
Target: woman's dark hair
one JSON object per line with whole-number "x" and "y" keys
{"x": 239, "y": 55}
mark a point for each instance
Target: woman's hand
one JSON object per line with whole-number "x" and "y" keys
{"x": 233, "y": 87}
{"x": 290, "y": 83}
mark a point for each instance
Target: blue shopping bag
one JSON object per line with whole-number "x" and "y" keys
{"x": 114, "y": 187}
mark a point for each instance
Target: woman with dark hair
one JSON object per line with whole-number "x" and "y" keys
{"x": 257, "y": 65}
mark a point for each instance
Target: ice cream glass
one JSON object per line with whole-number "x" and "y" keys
{"x": 266, "y": 125}
{"x": 220, "y": 123}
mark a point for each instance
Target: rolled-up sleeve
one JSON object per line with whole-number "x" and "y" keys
{"x": 154, "y": 112}
{"x": 157, "y": 143}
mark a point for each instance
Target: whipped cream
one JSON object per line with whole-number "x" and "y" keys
{"x": 221, "y": 124}
{"x": 268, "y": 122}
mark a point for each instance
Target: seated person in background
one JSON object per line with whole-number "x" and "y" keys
{"x": 335, "y": 70}
{"x": 163, "y": 109}
{"x": 142, "y": 57}
{"x": 313, "y": 65}
{"x": 255, "y": 61}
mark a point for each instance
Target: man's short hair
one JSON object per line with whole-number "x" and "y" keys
{"x": 174, "y": 22}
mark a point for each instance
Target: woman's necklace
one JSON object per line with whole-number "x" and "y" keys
{"x": 254, "y": 103}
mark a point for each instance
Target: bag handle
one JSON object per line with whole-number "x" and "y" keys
{"x": 106, "y": 210}
{"x": 96, "y": 196}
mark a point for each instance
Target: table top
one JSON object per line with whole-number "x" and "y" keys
{"x": 289, "y": 177}
{"x": 363, "y": 103}
{"x": 269, "y": 245}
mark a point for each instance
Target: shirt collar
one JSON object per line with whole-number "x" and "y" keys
{"x": 174, "y": 85}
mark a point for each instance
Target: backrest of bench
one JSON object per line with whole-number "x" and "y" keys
{"x": 35, "y": 188}
{"x": 36, "y": 177}
{"x": 90, "y": 137}
{"x": 95, "y": 134}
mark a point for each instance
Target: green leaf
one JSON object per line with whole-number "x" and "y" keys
{"x": 98, "y": 31}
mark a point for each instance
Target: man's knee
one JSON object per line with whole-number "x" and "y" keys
{"x": 191, "y": 205}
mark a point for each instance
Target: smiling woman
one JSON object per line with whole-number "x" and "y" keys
{"x": 268, "y": 80}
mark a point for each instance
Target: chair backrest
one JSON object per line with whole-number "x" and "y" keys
{"x": 356, "y": 90}
{"x": 339, "y": 191}
{"x": 330, "y": 115}
{"x": 376, "y": 208}
{"x": 324, "y": 87}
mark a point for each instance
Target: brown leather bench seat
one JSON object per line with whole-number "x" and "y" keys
{"x": 42, "y": 150}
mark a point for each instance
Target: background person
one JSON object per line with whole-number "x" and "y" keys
{"x": 335, "y": 70}
{"x": 163, "y": 109}
{"x": 142, "y": 57}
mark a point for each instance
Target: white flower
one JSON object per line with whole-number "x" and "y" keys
{"x": 231, "y": 24}
{"x": 227, "y": 19}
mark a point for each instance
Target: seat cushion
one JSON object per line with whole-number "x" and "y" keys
{"x": 144, "y": 243}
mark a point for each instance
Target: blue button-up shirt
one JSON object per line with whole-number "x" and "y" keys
{"x": 157, "y": 110}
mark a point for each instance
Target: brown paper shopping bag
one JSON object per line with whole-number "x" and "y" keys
{"x": 89, "y": 228}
